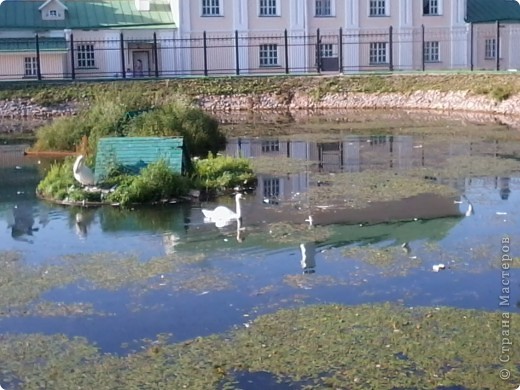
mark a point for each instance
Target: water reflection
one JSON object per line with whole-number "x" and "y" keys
{"x": 308, "y": 260}
{"x": 21, "y": 222}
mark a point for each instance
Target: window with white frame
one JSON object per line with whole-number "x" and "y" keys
{"x": 269, "y": 54}
{"x": 270, "y": 146}
{"x": 431, "y": 51}
{"x": 431, "y": 7}
{"x": 211, "y": 8}
{"x": 271, "y": 188}
{"x": 53, "y": 13}
{"x": 268, "y": 7}
{"x": 326, "y": 50}
{"x": 85, "y": 56}
{"x": 30, "y": 66}
{"x": 378, "y": 8}
{"x": 323, "y": 8}
{"x": 378, "y": 53}
{"x": 490, "y": 49}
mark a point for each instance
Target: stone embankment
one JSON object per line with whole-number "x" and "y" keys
{"x": 26, "y": 108}
{"x": 295, "y": 101}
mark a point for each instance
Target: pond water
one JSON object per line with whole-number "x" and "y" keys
{"x": 119, "y": 276}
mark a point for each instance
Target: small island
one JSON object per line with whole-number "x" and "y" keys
{"x": 199, "y": 170}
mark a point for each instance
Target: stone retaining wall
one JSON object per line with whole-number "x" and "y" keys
{"x": 289, "y": 101}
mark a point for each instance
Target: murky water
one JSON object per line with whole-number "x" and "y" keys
{"x": 214, "y": 279}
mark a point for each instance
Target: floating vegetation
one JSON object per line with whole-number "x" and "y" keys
{"x": 359, "y": 189}
{"x": 368, "y": 346}
{"x": 22, "y": 286}
{"x": 393, "y": 260}
{"x": 472, "y": 166}
{"x": 309, "y": 281}
{"x": 278, "y": 165}
{"x": 285, "y": 232}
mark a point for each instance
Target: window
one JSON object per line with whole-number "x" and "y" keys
{"x": 271, "y": 188}
{"x": 377, "y": 8}
{"x": 270, "y": 146}
{"x": 323, "y": 8}
{"x": 490, "y": 51}
{"x": 268, "y": 8}
{"x": 431, "y": 51}
{"x": 431, "y": 7}
{"x": 85, "y": 55}
{"x": 269, "y": 55}
{"x": 377, "y": 53}
{"x": 210, "y": 7}
{"x": 326, "y": 50}
{"x": 30, "y": 66}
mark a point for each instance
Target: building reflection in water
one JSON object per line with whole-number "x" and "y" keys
{"x": 351, "y": 154}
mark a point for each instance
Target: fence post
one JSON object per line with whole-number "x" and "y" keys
{"x": 471, "y": 40}
{"x": 205, "y": 48}
{"x": 498, "y": 47}
{"x": 318, "y": 51}
{"x": 72, "y": 65}
{"x": 423, "y": 65}
{"x": 286, "y": 43}
{"x": 122, "y": 49}
{"x": 391, "y": 48}
{"x": 237, "y": 54}
{"x": 155, "y": 54}
{"x": 340, "y": 53}
{"x": 38, "y": 65}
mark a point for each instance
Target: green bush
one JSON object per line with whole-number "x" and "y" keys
{"x": 200, "y": 130}
{"x": 129, "y": 114}
{"x": 222, "y": 172}
{"x": 59, "y": 184}
{"x": 154, "y": 183}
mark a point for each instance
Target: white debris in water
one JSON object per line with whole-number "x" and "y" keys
{"x": 501, "y": 213}
{"x": 438, "y": 267}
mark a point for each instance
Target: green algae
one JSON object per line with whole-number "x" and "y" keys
{"x": 471, "y": 166}
{"x": 328, "y": 346}
{"x": 290, "y": 233}
{"x": 278, "y": 165}
{"x": 392, "y": 260}
{"x": 359, "y": 189}
{"x": 22, "y": 286}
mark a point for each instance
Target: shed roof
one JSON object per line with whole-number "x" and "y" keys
{"x": 134, "y": 153}
{"x": 82, "y": 14}
{"x": 487, "y": 11}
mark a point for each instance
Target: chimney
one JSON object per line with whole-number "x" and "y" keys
{"x": 142, "y": 5}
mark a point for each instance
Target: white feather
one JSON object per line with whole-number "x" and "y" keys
{"x": 82, "y": 173}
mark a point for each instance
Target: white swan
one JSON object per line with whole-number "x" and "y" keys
{"x": 82, "y": 173}
{"x": 222, "y": 215}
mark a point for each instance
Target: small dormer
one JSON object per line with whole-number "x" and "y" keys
{"x": 53, "y": 10}
{"x": 142, "y": 5}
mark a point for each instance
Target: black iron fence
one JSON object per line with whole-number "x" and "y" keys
{"x": 341, "y": 51}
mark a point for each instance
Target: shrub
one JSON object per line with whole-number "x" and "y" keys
{"x": 222, "y": 172}
{"x": 154, "y": 183}
{"x": 200, "y": 130}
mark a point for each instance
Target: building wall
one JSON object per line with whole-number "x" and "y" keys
{"x": 12, "y": 66}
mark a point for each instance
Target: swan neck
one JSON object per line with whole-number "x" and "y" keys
{"x": 239, "y": 208}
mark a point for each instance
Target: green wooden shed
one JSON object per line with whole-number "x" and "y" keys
{"x": 134, "y": 153}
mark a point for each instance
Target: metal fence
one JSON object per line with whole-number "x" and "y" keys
{"x": 237, "y": 53}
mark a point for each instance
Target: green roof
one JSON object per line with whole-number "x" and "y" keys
{"x": 486, "y": 11}
{"x": 80, "y": 14}
{"x": 14, "y": 45}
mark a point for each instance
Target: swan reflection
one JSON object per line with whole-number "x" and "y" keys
{"x": 308, "y": 261}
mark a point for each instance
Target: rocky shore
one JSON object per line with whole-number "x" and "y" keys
{"x": 456, "y": 101}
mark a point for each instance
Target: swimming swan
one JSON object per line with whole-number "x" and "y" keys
{"x": 82, "y": 173}
{"x": 222, "y": 215}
